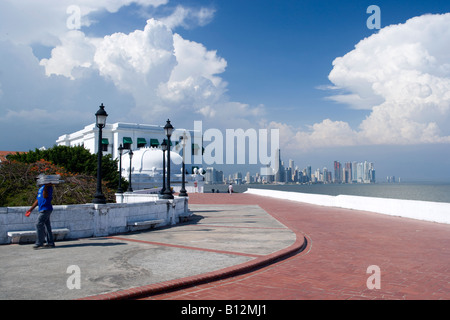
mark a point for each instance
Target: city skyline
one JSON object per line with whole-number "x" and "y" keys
{"x": 278, "y": 172}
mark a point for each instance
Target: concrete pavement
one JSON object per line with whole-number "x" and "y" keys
{"x": 218, "y": 241}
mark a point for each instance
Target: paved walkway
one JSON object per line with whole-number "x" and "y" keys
{"x": 243, "y": 246}
{"x": 413, "y": 257}
{"x": 219, "y": 241}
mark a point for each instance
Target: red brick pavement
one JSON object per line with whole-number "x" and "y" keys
{"x": 413, "y": 256}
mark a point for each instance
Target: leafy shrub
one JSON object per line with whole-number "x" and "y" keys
{"x": 77, "y": 167}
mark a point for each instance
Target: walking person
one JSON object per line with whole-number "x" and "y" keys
{"x": 43, "y": 226}
{"x": 230, "y": 189}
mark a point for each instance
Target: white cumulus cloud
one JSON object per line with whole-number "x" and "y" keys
{"x": 161, "y": 70}
{"x": 137, "y": 62}
{"x": 75, "y": 51}
{"x": 45, "y": 21}
{"x": 185, "y": 17}
{"x": 402, "y": 75}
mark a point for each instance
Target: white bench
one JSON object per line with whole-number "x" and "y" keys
{"x": 30, "y": 235}
{"x": 140, "y": 225}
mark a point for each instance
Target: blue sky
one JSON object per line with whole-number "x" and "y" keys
{"x": 290, "y": 65}
{"x": 279, "y": 52}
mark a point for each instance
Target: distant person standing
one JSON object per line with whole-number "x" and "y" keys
{"x": 230, "y": 189}
{"x": 43, "y": 226}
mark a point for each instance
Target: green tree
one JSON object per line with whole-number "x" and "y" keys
{"x": 75, "y": 160}
{"x": 76, "y": 165}
{"x": 18, "y": 184}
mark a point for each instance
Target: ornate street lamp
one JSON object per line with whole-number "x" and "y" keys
{"x": 100, "y": 120}
{"x": 183, "y": 192}
{"x": 130, "y": 189}
{"x": 120, "y": 190}
{"x": 164, "y": 149}
{"x": 168, "y": 130}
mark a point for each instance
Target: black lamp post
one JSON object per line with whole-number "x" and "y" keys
{"x": 100, "y": 120}
{"x": 164, "y": 149}
{"x": 120, "y": 190}
{"x": 183, "y": 192}
{"x": 168, "y": 129}
{"x": 130, "y": 189}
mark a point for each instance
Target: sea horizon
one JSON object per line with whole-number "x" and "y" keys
{"x": 434, "y": 191}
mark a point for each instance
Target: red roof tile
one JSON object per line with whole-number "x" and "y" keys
{"x": 3, "y": 154}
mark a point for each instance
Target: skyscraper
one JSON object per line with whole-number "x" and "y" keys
{"x": 291, "y": 165}
{"x": 360, "y": 172}
{"x": 347, "y": 177}
{"x": 354, "y": 172}
{"x": 337, "y": 172}
{"x": 325, "y": 175}
{"x": 277, "y": 166}
{"x": 279, "y": 172}
{"x": 308, "y": 173}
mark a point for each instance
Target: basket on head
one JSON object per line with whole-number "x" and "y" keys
{"x": 46, "y": 179}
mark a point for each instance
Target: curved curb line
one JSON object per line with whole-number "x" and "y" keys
{"x": 183, "y": 283}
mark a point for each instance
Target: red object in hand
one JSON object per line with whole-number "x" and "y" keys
{"x": 28, "y": 213}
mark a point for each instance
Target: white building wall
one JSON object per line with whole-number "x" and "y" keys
{"x": 116, "y": 132}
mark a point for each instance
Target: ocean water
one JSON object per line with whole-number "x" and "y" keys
{"x": 436, "y": 192}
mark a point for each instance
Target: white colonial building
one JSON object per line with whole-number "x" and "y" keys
{"x": 130, "y": 135}
{"x": 147, "y": 161}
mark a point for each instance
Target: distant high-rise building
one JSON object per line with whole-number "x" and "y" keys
{"x": 295, "y": 175}
{"x": 291, "y": 165}
{"x": 210, "y": 175}
{"x": 278, "y": 167}
{"x": 213, "y": 176}
{"x": 337, "y": 172}
{"x": 237, "y": 178}
{"x": 347, "y": 176}
{"x": 248, "y": 178}
{"x": 359, "y": 172}
{"x": 318, "y": 175}
{"x": 308, "y": 173}
{"x": 354, "y": 172}
{"x": 266, "y": 174}
{"x": 325, "y": 175}
{"x": 288, "y": 175}
{"x": 369, "y": 172}
{"x": 219, "y": 176}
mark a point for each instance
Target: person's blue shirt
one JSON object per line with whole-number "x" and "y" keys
{"x": 45, "y": 203}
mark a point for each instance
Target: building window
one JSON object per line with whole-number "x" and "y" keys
{"x": 141, "y": 142}
{"x": 154, "y": 143}
{"x": 105, "y": 144}
{"x": 127, "y": 142}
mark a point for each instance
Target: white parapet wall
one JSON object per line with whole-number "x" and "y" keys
{"x": 421, "y": 210}
{"x": 94, "y": 220}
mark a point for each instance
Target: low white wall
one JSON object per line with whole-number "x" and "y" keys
{"x": 136, "y": 197}
{"x": 189, "y": 188}
{"x": 421, "y": 210}
{"x": 90, "y": 220}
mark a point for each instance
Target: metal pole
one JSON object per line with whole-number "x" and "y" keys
{"x": 163, "y": 190}
{"x": 183, "y": 192}
{"x": 130, "y": 189}
{"x": 99, "y": 198}
{"x": 168, "y": 192}
{"x": 119, "y": 190}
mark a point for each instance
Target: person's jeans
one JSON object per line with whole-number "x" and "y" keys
{"x": 44, "y": 228}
